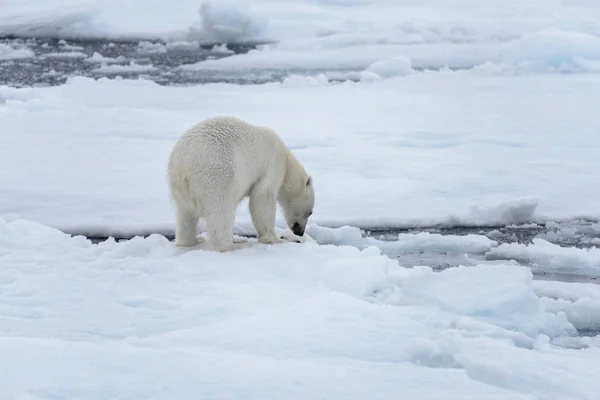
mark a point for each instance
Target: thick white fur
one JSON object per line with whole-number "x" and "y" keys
{"x": 219, "y": 162}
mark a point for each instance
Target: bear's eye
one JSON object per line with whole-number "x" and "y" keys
{"x": 309, "y": 214}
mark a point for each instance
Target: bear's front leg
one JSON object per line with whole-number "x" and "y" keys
{"x": 263, "y": 208}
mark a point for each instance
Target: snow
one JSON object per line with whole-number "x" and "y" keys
{"x": 395, "y": 66}
{"x": 65, "y": 45}
{"x": 568, "y": 231}
{"x": 567, "y": 291}
{"x": 428, "y": 148}
{"x": 227, "y": 21}
{"x": 221, "y": 49}
{"x": 407, "y": 114}
{"x": 182, "y": 45}
{"x": 300, "y": 81}
{"x": 565, "y": 51}
{"x": 429, "y": 56}
{"x": 551, "y": 257}
{"x": 121, "y": 69}
{"x": 100, "y": 59}
{"x": 143, "y": 319}
{"x": 302, "y": 25}
{"x": 433, "y": 241}
{"x": 8, "y": 52}
{"x": 66, "y": 54}
{"x": 341, "y": 235}
{"x": 579, "y": 301}
{"x": 312, "y": 34}
{"x": 490, "y": 298}
{"x": 547, "y": 50}
{"x": 148, "y": 47}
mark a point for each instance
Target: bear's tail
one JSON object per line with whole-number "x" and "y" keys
{"x": 180, "y": 189}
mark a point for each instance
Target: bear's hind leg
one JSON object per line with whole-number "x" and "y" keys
{"x": 219, "y": 224}
{"x": 186, "y": 228}
{"x": 263, "y": 208}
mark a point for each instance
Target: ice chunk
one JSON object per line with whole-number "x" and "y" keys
{"x": 550, "y": 257}
{"x": 121, "y": 69}
{"x": 554, "y": 49}
{"x": 227, "y": 21}
{"x": 100, "y": 59}
{"x": 8, "y": 52}
{"x": 394, "y": 66}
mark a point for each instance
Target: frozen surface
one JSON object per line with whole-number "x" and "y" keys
{"x": 13, "y": 53}
{"x": 511, "y": 139}
{"x": 426, "y": 240}
{"x": 542, "y": 51}
{"x": 395, "y": 66}
{"x": 100, "y": 59}
{"x": 66, "y": 54}
{"x": 142, "y": 319}
{"x": 336, "y": 34}
{"x": 580, "y": 302}
{"x": 551, "y": 257}
{"x": 560, "y": 50}
{"x": 444, "y": 147}
{"x": 120, "y": 69}
{"x": 566, "y": 232}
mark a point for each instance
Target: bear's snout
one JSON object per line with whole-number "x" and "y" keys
{"x": 297, "y": 229}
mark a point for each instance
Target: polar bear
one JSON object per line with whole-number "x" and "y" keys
{"x": 219, "y": 162}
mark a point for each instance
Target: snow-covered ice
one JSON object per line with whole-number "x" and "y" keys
{"x": 426, "y": 148}
{"x": 580, "y": 302}
{"x": 546, "y": 50}
{"x": 142, "y": 319}
{"x": 551, "y": 257}
{"x": 395, "y": 66}
{"x": 8, "y": 52}
{"x": 66, "y": 54}
{"x": 149, "y": 47}
{"x": 66, "y": 46}
{"x": 183, "y": 45}
{"x": 341, "y": 33}
{"x": 426, "y": 240}
{"x": 458, "y": 113}
{"x": 100, "y": 59}
{"x": 221, "y": 49}
{"x": 120, "y": 69}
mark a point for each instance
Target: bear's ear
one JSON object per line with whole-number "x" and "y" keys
{"x": 309, "y": 181}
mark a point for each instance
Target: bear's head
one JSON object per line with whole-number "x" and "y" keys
{"x": 299, "y": 206}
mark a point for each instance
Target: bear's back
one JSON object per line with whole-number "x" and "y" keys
{"x": 230, "y": 132}
{"x": 233, "y": 146}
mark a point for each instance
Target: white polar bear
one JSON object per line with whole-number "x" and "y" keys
{"x": 219, "y": 162}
